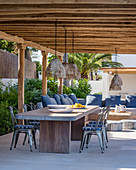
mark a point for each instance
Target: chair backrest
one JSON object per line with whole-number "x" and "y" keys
{"x": 33, "y": 106}
{"x": 39, "y": 105}
{"x": 106, "y": 114}
{"x": 27, "y": 106}
{"x": 100, "y": 119}
{"x": 14, "y": 121}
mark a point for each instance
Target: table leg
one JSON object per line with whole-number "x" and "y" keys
{"x": 55, "y": 136}
{"x": 76, "y": 129}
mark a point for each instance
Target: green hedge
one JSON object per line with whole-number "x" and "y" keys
{"x": 33, "y": 92}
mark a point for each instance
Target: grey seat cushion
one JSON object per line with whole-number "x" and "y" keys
{"x": 23, "y": 127}
{"x": 64, "y": 101}
{"x": 46, "y": 100}
{"x": 57, "y": 98}
{"x": 53, "y": 101}
{"x": 70, "y": 101}
{"x": 73, "y": 98}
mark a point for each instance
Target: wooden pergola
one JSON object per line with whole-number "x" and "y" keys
{"x": 99, "y": 26}
{"x": 121, "y": 70}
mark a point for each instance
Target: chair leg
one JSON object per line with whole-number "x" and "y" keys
{"x": 13, "y": 138}
{"x": 104, "y": 137}
{"x": 99, "y": 134}
{"x": 85, "y": 135}
{"x": 16, "y": 140}
{"x": 25, "y": 139}
{"x": 30, "y": 139}
{"x": 88, "y": 139}
{"x": 33, "y": 132}
{"x": 81, "y": 142}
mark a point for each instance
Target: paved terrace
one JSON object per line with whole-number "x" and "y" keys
{"x": 121, "y": 155}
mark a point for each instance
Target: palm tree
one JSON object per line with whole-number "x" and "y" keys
{"x": 90, "y": 63}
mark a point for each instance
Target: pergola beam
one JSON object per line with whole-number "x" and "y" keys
{"x": 17, "y": 39}
{"x": 67, "y": 1}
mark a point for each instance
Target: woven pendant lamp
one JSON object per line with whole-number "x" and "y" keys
{"x": 55, "y": 68}
{"x": 72, "y": 71}
{"x": 116, "y": 81}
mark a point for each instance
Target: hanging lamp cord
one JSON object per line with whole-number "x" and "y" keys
{"x": 116, "y": 59}
{"x": 73, "y": 41}
{"x": 55, "y": 37}
{"x": 73, "y": 45}
{"x": 65, "y": 43}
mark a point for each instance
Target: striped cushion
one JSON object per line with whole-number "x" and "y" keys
{"x": 93, "y": 125}
{"x": 23, "y": 127}
{"x": 94, "y": 122}
{"x": 91, "y": 128}
{"x": 34, "y": 123}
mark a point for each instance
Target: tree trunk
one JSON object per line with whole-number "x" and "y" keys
{"x": 84, "y": 76}
{"x": 91, "y": 74}
{"x": 96, "y": 76}
{"x": 72, "y": 83}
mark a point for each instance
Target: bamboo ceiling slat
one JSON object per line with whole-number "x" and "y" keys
{"x": 98, "y": 25}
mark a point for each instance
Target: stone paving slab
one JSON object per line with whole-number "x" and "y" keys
{"x": 121, "y": 155}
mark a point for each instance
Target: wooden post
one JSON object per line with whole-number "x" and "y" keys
{"x": 21, "y": 76}
{"x": 60, "y": 81}
{"x": 44, "y": 77}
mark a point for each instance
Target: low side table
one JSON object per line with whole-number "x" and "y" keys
{"x": 119, "y": 116}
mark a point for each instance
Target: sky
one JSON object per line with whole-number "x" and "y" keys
{"x": 128, "y": 60}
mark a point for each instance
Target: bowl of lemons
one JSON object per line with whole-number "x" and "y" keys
{"x": 78, "y": 106}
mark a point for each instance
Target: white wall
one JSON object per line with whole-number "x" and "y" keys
{"x": 7, "y": 81}
{"x": 128, "y": 87}
{"x": 97, "y": 86}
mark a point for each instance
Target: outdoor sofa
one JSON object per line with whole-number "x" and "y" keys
{"x": 64, "y": 99}
{"x": 112, "y": 100}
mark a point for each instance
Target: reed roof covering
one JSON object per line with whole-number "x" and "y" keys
{"x": 99, "y": 26}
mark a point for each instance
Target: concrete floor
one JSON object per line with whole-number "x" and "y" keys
{"x": 121, "y": 154}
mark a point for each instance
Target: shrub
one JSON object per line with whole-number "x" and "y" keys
{"x": 67, "y": 90}
{"x": 83, "y": 88}
{"x": 5, "y": 118}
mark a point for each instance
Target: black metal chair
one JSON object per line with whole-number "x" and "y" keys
{"x": 36, "y": 124}
{"x": 88, "y": 131}
{"x": 102, "y": 124}
{"x": 27, "y": 129}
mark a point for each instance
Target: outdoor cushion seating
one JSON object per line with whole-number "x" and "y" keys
{"x": 73, "y": 98}
{"x": 64, "y": 101}
{"x": 57, "y": 98}
{"x": 27, "y": 129}
{"x": 39, "y": 105}
{"x": 65, "y": 95}
{"x": 130, "y": 101}
{"x": 94, "y": 100}
{"x": 46, "y": 100}
{"x": 53, "y": 101}
{"x": 23, "y": 126}
{"x": 113, "y": 100}
{"x": 70, "y": 101}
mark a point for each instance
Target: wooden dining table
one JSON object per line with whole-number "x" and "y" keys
{"x": 58, "y": 129}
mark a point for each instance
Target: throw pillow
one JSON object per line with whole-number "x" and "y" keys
{"x": 94, "y": 100}
{"x": 73, "y": 98}
{"x": 57, "y": 98}
{"x": 46, "y": 100}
